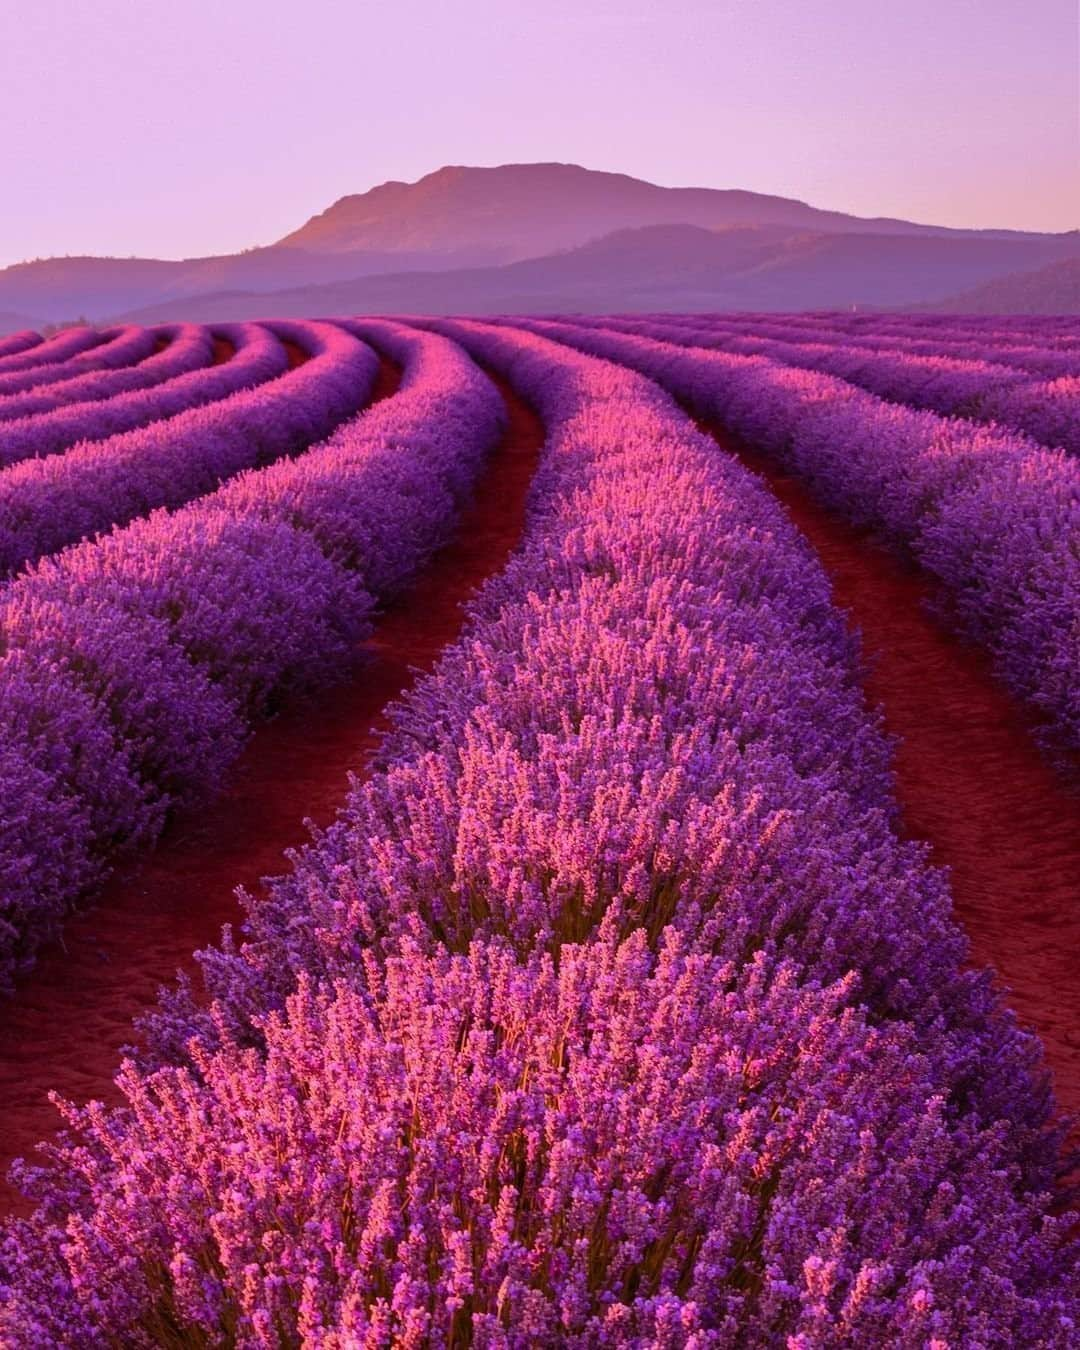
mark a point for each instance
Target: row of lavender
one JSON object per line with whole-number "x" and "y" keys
{"x": 78, "y": 347}
{"x": 175, "y": 349}
{"x": 257, "y": 356}
{"x": 1009, "y": 350}
{"x": 131, "y": 667}
{"x": 1058, "y": 332}
{"x": 200, "y": 429}
{"x": 115, "y": 349}
{"x": 611, "y": 1012}
{"x": 992, "y": 517}
{"x": 1048, "y": 410}
{"x": 15, "y": 343}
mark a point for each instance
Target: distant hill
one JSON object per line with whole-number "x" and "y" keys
{"x": 62, "y": 288}
{"x": 1047, "y": 290}
{"x": 583, "y": 239}
{"x": 16, "y": 323}
{"x": 521, "y": 211}
{"x": 676, "y": 267}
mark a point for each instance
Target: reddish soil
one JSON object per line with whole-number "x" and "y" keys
{"x": 296, "y": 354}
{"x": 160, "y": 343}
{"x": 224, "y": 351}
{"x": 970, "y": 779}
{"x": 64, "y": 1028}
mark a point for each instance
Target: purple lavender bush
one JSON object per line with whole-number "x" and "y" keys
{"x": 74, "y": 352}
{"x": 612, "y": 1011}
{"x": 183, "y": 347}
{"x": 259, "y": 357}
{"x": 203, "y": 428}
{"x": 133, "y": 666}
{"x": 991, "y": 516}
{"x": 1048, "y": 410}
{"x": 1042, "y": 359}
{"x": 16, "y": 343}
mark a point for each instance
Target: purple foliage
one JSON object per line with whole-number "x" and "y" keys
{"x": 612, "y": 1011}
{"x": 1006, "y": 349}
{"x": 259, "y": 357}
{"x": 187, "y": 346}
{"x": 992, "y": 516}
{"x": 73, "y": 352}
{"x": 15, "y": 343}
{"x": 256, "y": 410}
{"x": 1059, "y": 332}
{"x": 131, "y": 667}
{"x": 1048, "y": 410}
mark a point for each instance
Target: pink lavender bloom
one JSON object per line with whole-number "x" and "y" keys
{"x": 202, "y": 428}
{"x": 171, "y": 350}
{"x": 15, "y": 343}
{"x": 153, "y": 649}
{"x": 74, "y": 348}
{"x": 992, "y": 516}
{"x": 111, "y": 350}
{"x": 612, "y": 1010}
{"x": 1039, "y": 395}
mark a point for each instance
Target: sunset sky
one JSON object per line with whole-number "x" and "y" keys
{"x": 179, "y": 130}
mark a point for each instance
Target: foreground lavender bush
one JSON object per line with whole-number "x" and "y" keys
{"x": 132, "y": 667}
{"x": 256, "y": 411}
{"x": 992, "y": 517}
{"x": 611, "y": 1012}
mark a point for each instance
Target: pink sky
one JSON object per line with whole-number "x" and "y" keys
{"x": 204, "y": 126}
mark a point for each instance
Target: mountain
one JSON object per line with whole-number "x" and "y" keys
{"x": 550, "y": 236}
{"x": 675, "y": 267}
{"x": 63, "y": 288}
{"x": 1047, "y": 290}
{"x": 518, "y": 211}
{"x": 17, "y": 323}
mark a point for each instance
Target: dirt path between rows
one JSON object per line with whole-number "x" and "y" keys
{"x": 298, "y": 356}
{"x": 224, "y": 350}
{"x": 64, "y": 1027}
{"x": 969, "y": 778}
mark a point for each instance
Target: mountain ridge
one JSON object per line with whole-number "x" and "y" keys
{"x": 461, "y": 222}
{"x": 459, "y": 190}
{"x": 674, "y": 267}
{"x": 1054, "y": 289}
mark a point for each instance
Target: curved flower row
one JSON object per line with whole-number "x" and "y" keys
{"x": 991, "y": 516}
{"x": 1059, "y": 331}
{"x": 1048, "y": 332}
{"x": 178, "y": 348}
{"x": 611, "y": 1012}
{"x": 1008, "y": 350}
{"x": 1047, "y": 410}
{"x": 206, "y": 427}
{"x": 259, "y": 357}
{"x": 74, "y": 352}
{"x": 15, "y": 343}
{"x": 133, "y": 666}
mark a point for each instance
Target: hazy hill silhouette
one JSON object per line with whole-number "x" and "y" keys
{"x": 15, "y": 323}
{"x": 518, "y": 211}
{"x": 675, "y": 267}
{"x": 1047, "y": 290}
{"x": 545, "y": 235}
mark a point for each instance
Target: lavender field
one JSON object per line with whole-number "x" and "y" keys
{"x": 634, "y": 988}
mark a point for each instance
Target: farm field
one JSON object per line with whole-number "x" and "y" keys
{"x": 637, "y": 759}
